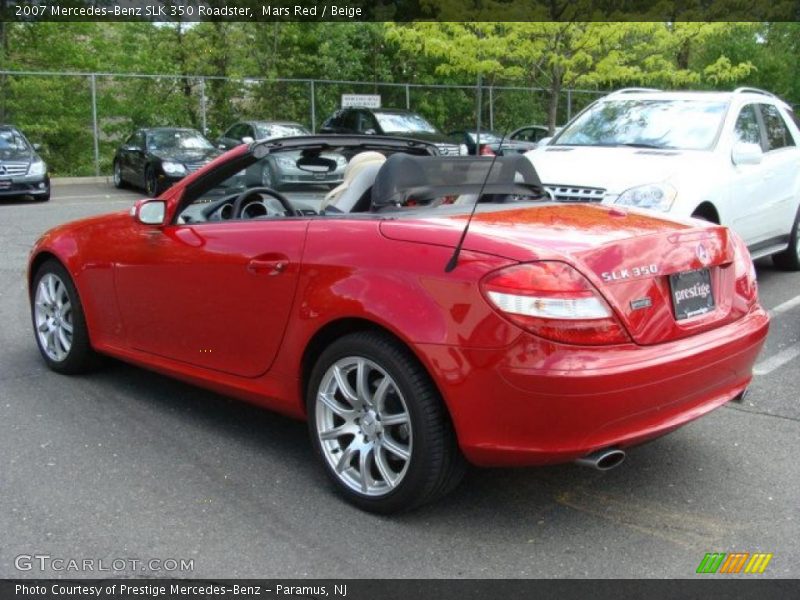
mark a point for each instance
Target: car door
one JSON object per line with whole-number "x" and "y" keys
{"x": 781, "y": 166}
{"x": 138, "y": 157}
{"x": 749, "y": 184}
{"x": 215, "y": 295}
{"x": 130, "y": 157}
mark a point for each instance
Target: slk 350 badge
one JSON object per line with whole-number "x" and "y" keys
{"x": 633, "y": 272}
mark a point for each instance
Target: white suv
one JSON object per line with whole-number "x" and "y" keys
{"x": 732, "y": 158}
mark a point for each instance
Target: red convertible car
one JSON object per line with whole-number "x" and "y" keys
{"x": 553, "y": 333}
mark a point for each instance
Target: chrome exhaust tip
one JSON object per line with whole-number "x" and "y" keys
{"x": 602, "y": 460}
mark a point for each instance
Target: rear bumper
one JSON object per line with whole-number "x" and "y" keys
{"x": 536, "y": 402}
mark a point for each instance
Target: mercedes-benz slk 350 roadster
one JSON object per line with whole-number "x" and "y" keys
{"x": 547, "y": 333}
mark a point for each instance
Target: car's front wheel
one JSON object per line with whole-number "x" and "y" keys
{"x": 119, "y": 183}
{"x": 379, "y": 425}
{"x": 59, "y": 322}
{"x": 789, "y": 259}
{"x": 151, "y": 186}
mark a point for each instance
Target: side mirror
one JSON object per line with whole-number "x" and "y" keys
{"x": 370, "y": 131}
{"x": 744, "y": 153}
{"x": 247, "y": 140}
{"x": 544, "y": 141}
{"x": 222, "y": 147}
{"x": 150, "y": 212}
{"x": 37, "y": 147}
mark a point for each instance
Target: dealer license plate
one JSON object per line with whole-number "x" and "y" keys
{"x": 691, "y": 293}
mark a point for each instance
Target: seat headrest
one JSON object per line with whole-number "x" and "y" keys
{"x": 356, "y": 165}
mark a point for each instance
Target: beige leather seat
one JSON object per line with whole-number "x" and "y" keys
{"x": 359, "y": 175}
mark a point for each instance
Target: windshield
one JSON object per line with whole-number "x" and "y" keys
{"x": 177, "y": 140}
{"x": 668, "y": 124}
{"x": 403, "y": 123}
{"x": 264, "y": 131}
{"x": 11, "y": 142}
{"x": 487, "y": 137}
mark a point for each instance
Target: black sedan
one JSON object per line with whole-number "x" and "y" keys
{"x": 391, "y": 122}
{"x": 22, "y": 170}
{"x": 488, "y": 143}
{"x": 156, "y": 158}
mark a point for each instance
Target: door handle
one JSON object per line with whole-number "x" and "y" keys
{"x": 259, "y": 266}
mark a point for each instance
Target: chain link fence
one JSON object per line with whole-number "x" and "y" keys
{"x": 80, "y": 118}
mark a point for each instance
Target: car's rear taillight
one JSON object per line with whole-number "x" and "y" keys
{"x": 553, "y": 301}
{"x": 744, "y": 272}
{"x": 486, "y": 150}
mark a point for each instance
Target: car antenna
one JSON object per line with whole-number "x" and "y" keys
{"x": 451, "y": 264}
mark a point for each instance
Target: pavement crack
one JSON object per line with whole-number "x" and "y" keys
{"x": 763, "y": 414}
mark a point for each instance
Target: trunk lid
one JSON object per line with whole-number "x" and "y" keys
{"x": 628, "y": 256}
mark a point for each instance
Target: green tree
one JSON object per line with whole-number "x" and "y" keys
{"x": 559, "y": 55}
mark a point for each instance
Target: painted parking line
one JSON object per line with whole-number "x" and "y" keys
{"x": 788, "y": 354}
{"x": 785, "y": 306}
{"x": 768, "y": 365}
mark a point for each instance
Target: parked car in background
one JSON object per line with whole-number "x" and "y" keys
{"x": 530, "y": 133}
{"x": 726, "y": 157}
{"x": 22, "y": 170}
{"x": 563, "y": 333}
{"x": 245, "y": 132}
{"x": 279, "y": 172}
{"x": 154, "y": 159}
{"x": 393, "y": 122}
{"x": 488, "y": 143}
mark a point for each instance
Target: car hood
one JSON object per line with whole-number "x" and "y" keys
{"x": 612, "y": 169}
{"x": 187, "y": 156}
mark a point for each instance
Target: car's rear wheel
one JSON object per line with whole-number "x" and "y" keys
{"x": 789, "y": 259}
{"x": 59, "y": 322}
{"x": 379, "y": 425}
{"x": 119, "y": 183}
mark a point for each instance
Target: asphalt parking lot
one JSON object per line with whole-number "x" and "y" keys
{"x": 126, "y": 463}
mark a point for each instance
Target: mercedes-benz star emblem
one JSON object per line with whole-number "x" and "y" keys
{"x": 702, "y": 254}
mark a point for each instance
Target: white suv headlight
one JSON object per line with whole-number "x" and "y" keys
{"x": 463, "y": 150}
{"x": 37, "y": 168}
{"x": 657, "y": 196}
{"x": 173, "y": 169}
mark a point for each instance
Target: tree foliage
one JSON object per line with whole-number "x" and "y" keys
{"x": 215, "y": 73}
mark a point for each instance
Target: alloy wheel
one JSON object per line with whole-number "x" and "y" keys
{"x": 363, "y": 426}
{"x": 53, "y": 317}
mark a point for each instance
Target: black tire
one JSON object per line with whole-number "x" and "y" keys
{"x": 436, "y": 465}
{"x": 151, "y": 186}
{"x": 44, "y": 197}
{"x": 119, "y": 182}
{"x": 80, "y": 357}
{"x": 789, "y": 259}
